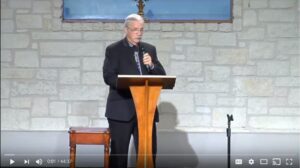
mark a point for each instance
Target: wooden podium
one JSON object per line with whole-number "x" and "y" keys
{"x": 145, "y": 90}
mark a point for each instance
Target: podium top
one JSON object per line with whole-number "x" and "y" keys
{"x": 125, "y": 81}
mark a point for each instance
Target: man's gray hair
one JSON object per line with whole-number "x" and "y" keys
{"x": 133, "y": 17}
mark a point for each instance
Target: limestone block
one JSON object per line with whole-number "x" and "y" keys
{"x": 261, "y": 50}
{"x": 81, "y": 92}
{"x": 17, "y": 73}
{"x": 225, "y": 27}
{"x": 4, "y": 103}
{"x": 217, "y": 73}
{"x": 273, "y": 68}
{"x": 295, "y": 66}
{"x": 172, "y": 34}
{"x": 6, "y": 56}
{"x": 219, "y": 117}
{"x": 47, "y": 74}
{"x": 99, "y": 123}
{"x": 176, "y": 103}
{"x": 205, "y": 99}
{"x": 7, "y": 26}
{"x": 20, "y": 102}
{"x": 177, "y": 56}
{"x": 57, "y": 3}
{"x": 255, "y": 4}
{"x": 231, "y": 101}
{"x": 186, "y": 68}
{"x": 244, "y": 70}
{"x": 26, "y": 59}
{"x": 284, "y": 111}
{"x": 283, "y": 4}
{"x": 154, "y": 26}
{"x": 163, "y": 45}
{"x": 277, "y": 15}
{"x": 108, "y": 35}
{"x": 237, "y": 10}
{"x": 253, "y": 86}
{"x": 92, "y": 78}
{"x": 199, "y": 27}
{"x": 207, "y": 87}
{"x": 7, "y": 13}
{"x": 223, "y": 39}
{"x": 92, "y": 64}
{"x": 34, "y": 88}
{"x": 237, "y": 24}
{"x": 211, "y": 26}
{"x": 166, "y": 27}
{"x": 153, "y": 35}
{"x": 42, "y": 7}
{"x": 85, "y": 108}
{"x": 71, "y": 49}
{"x": 101, "y": 111}
{"x": 19, "y": 4}
{"x": 199, "y": 53}
{"x": 267, "y": 122}
{"x": 48, "y": 124}
{"x": 40, "y": 106}
{"x": 178, "y": 27}
{"x": 78, "y": 121}
{"x": 60, "y": 62}
{"x": 249, "y": 18}
{"x": 257, "y": 106}
{"x": 232, "y": 56}
{"x": 287, "y": 81}
{"x": 14, "y": 40}
{"x": 277, "y": 101}
{"x": 69, "y": 76}
{"x": 55, "y": 24}
{"x": 56, "y": 35}
{"x": 280, "y": 91}
{"x": 294, "y": 98}
{"x": 15, "y": 119}
{"x": 282, "y": 30}
{"x": 189, "y": 26}
{"x": 202, "y": 38}
{"x": 5, "y": 88}
{"x": 203, "y": 110}
{"x": 192, "y": 120}
{"x": 185, "y": 41}
{"x": 58, "y": 109}
{"x": 252, "y": 34}
{"x": 289, "y": 46}
{"x": 26, "y": 21}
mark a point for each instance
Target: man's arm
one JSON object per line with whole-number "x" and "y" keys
{"x": 110, "y": 68}
{"x": 157, "y": 68}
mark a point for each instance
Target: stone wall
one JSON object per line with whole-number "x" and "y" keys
{"x": 51, "y": 71}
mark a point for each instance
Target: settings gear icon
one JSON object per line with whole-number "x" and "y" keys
{"x": 251, "y": 161}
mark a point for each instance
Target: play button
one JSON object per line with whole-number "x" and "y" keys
{"x": 11, "y": 161}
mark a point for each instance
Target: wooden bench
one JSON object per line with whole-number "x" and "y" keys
{"x": 89, "y": 136}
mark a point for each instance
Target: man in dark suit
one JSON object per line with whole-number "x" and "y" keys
{"x": 129, "y": 56}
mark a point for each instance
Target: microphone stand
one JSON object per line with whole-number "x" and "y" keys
{"x": 228, "y": 130}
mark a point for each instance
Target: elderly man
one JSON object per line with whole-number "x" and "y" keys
{"x": 128, "y": 56}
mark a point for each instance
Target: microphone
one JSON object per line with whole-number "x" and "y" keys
{"x": 144, "y": 52}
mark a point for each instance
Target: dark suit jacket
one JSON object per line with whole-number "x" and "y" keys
{"x": 119, "y": 60}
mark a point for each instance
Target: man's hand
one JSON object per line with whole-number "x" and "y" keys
{"x": 147, "y": 60}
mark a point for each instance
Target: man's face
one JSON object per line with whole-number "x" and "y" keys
{"x": 134, "y": 32}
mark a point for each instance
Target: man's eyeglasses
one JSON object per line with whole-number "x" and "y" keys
{"x": 136, "y": 30}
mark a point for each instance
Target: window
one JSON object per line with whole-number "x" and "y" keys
{"x": 154, "y": 10}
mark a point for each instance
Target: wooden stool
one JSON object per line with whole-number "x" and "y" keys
{"x": 89, "y": 136}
